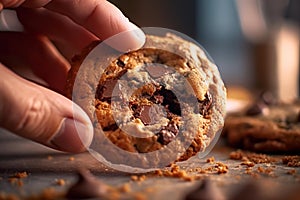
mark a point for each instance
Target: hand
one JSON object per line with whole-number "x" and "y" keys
{"x": 54, "y": 32}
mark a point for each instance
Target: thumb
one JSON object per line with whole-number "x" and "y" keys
{"x": 39, "y": 114}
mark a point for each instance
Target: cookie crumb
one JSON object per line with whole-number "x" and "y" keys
{"x": 265, "y": 170}
{"x": 291, "y": 161}
{"x": 71, "y": 158}
{"x": 60, "y": 182}
{"x": 134, "y": 178}
{"x": 138, "y": 178}
{"x": 221, "y": 168}
{"x": 15, "y": 179}
{"x": 20, "y": 175}
{"x": 175, "y": 172}
{"x": 125, "y": 188}
{"x": 253, "y": 157}
{"x": 236, "y": 155}
{"x": 158, "y": 172}
{"x": 248, "y": 163}
{"x": 210, "y": 160}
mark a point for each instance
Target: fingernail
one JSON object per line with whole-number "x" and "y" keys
{"x": 1, "y": 6}
{"x": 73, "y": 136}
{"x": 132, "y": 39}
{"x": 138, "y": 33}
{"x": 9, "y": 21}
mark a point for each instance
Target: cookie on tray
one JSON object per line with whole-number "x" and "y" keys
{"x": 165, "y": 100}
{"x": 266, "y": 126}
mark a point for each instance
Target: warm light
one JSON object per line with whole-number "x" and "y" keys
{"x": 287, "y": 59}
{"x": 251, "y": 19}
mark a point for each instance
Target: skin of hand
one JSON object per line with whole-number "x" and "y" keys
{"x": 55, "y": 30}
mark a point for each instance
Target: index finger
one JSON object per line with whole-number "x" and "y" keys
{"x": 101, "y": 18}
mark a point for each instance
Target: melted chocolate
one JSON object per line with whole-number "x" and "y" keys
{"x": 256, "y": 109}
{"x": 87, "y": 187}
{"x": 207, "y": 190}
{"x": 169, "y": 100}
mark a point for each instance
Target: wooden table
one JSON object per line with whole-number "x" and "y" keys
{"x": 45, "y": 167}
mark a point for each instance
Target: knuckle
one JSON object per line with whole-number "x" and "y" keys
{"x": 35, "y": 117}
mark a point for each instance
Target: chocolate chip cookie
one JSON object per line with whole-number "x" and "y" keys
{"x": 266, "y": 126}
{"x": 162, "y": 103}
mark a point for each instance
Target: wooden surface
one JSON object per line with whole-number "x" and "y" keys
{"x": 45, "y": 166}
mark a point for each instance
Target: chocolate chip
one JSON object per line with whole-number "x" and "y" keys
{"x": 145, "y": 115}
{"x": 86, "y": 187}
{"x": 255, "y": 109}
{"x": 142, "y": 112}
{"x": 165, "y": 137}
{"x": 105, "y": 91}
{"x": 111, "y": 127}
{"x": 157, "y": 71}
{"x": 267, "y": 98}
{"x": 206, "y": 191}
{"x": 163, "y": 97}
{"x": 167, "y": 133}
{"x": 170, "y": 100}
{"x": 205, "y": 105}
{"x": 120, "y": 63}
{"x": 148, "y": 114}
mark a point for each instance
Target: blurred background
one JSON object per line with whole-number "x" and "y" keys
{"x": 255, "y": 43}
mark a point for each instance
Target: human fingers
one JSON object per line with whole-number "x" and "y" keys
{"x": 36, "y": 52}
{"x": 39, "y": 114}
{"x": 68, "y": 36}
{"x": 98, "y": 16}
{"x": 103, "y": 19}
